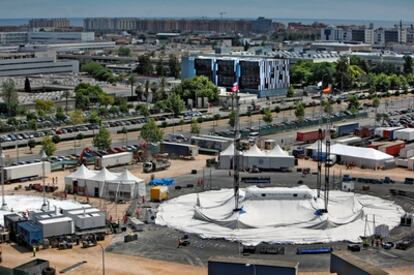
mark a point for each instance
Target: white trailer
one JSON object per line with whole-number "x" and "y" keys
{"x": 26, "y": 171}
{"x": 57, "y": 227}
{"x": 90, "y": 218}
{"x": 113, "y": 160}
{"x": 406, "y": 134}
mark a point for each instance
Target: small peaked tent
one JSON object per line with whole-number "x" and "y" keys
{"x": 277, "y": 151}
{"x": 226, "y": 157}
{"x": 105, "y": 175}
{"x": 82, "y": 173}
{"x": 128, "y": 177}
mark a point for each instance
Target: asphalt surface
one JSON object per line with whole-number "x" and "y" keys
{"x": 159, "y": 242}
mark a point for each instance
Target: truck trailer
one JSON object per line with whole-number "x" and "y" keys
{"x": 26, "y": 171}
{"x": 178, "y": 150}
{"x": 113, "y": 160}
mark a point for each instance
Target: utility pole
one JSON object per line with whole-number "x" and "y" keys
{"x": 236, "y": 162}
{"x": 2, "y": 163}
{"x": 44, "y": 158}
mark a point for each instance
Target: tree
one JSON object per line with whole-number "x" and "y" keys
{"x": 343, "y": 75}
{"x": 94, "y": 118}
{"x": 174, "y": 66}
{"x": 60, "y": 114}
{"x": 300, "y": 110}
{"x": 376, "y": 103}
{"x": 99, "y": 72}
{"x": 123, "y": 51}
{"x": 48, "y": 146}
{"x": 124, "y": 130}
{"x": 150, "y": 132}
{"x": 32, "y": 144}
{"x": 44, "y": 105}
{"x": 87, "y": 94}
{"x": 79, "y": 136}
{"x": 102, "y": 140}
{"x": 159, "y": 68}
{"x": 143, "y": 109}
{"x": 290, "y": 92}
{"x": 199, "y": 86}
{"x": 27, "y": 87}
{"x": 232, "y": 118}
{"x": 10, "y": 96}
{"x": 56, "y": 139}
{"x": 267, "y": 116}
{"x": 408, "y": 65}
{"x": 195, "y": 127}
{"x": 144, "y": 65}
{"x": 131, "y": 81}
{"x": 175, "y": 104}
{"x": 353, "y": 104}
{"x": 77, "y": 117}
{"x": 32, "y": 124}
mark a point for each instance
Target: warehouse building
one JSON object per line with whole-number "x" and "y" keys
{"x": 35, "y": 66}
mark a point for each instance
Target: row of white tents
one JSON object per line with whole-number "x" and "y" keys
{"x": 274, "y": 159}
{"x": 105, "y": 184}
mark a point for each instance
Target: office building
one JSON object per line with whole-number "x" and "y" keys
{"x": 258, "y": 75}
{"x": 13, "y": 38}
{"x": 60, "y": 37}
{"x": 34, "y": 66}
{"x": 49, "y": 23}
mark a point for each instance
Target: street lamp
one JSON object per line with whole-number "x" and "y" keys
{"x": 44, "y": 158}
{"x": 3, "y": 202}
{"x": 103, "y": 258}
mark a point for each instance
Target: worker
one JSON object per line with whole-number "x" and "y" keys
{"x": 34, "y": 251}
{"x": 1, "y": 257}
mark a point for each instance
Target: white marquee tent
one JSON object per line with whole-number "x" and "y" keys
{"x": 105, "y": 184}
{"x": 273, "y": 159}
{"x": 359, "y": 156}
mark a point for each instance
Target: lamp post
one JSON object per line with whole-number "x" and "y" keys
{"x": 3, "y": 202}
{"x": 103, "y": 258}
{"x": 44, "y": 158}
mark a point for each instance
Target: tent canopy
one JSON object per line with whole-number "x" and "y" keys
{"x": 105, "y": 175}
{"x": 128, "y": 177}
{"x": 83, "y": 173}
{"x": 229, "y": 151}
{"x": 277, "y": 151}
{"x": 359, "y": 152}
{"x": 254, "y": 151}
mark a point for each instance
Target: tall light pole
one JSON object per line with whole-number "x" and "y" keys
{"x": 44, "y": 158}
{"x": 3, "y": 202}
{"x": 103, "y": 258}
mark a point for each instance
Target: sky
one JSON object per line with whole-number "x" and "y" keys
{"x": 318, "y": 9}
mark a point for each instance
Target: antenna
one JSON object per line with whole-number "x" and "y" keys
{"x": 222, "y": 13}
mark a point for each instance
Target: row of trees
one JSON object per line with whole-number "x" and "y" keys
{"x": 354, "y": 72}
{"x": 146, "y": 66}
{"x": 99, "y": 72}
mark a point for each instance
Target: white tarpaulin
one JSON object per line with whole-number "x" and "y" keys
{"x": 277, "y": 215}
{"x": 17, "y": 203}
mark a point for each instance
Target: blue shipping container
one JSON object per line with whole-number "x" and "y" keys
{"x": 30, "y": 233}
{"x": 346, "y": 129}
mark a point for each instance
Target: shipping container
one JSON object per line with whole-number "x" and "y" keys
{"x": 178, "y": 150}
{"x": 392, "y": 148}
{"x": 308, "y": 136}
{"x": 29, "y": 233}
{"x": 113, "y": 160}
{"x": 88, "y": 218}
{"x": 26, "y": 171}
{"x": 57, "y": 227}
{"x": 407, "y": 151}
{"x": 389, "y": 133}
{"x": 11, "y": 221}
{"x": 346, "y": 129}
{"x": 159, "y": 193}
{"x": 364, "y": 132}
{"x": 211, "y": 144}
{"x": 405, "y": 134}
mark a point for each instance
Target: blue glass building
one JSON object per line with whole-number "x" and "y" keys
{"x": 263, "y": 76}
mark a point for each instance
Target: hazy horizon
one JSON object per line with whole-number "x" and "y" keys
{"x": 378, "y": 10}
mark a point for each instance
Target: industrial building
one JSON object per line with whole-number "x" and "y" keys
{"x": 258, "y": 75}
{"x": 34, "y": 66}
{"x": 60, "y": 37}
